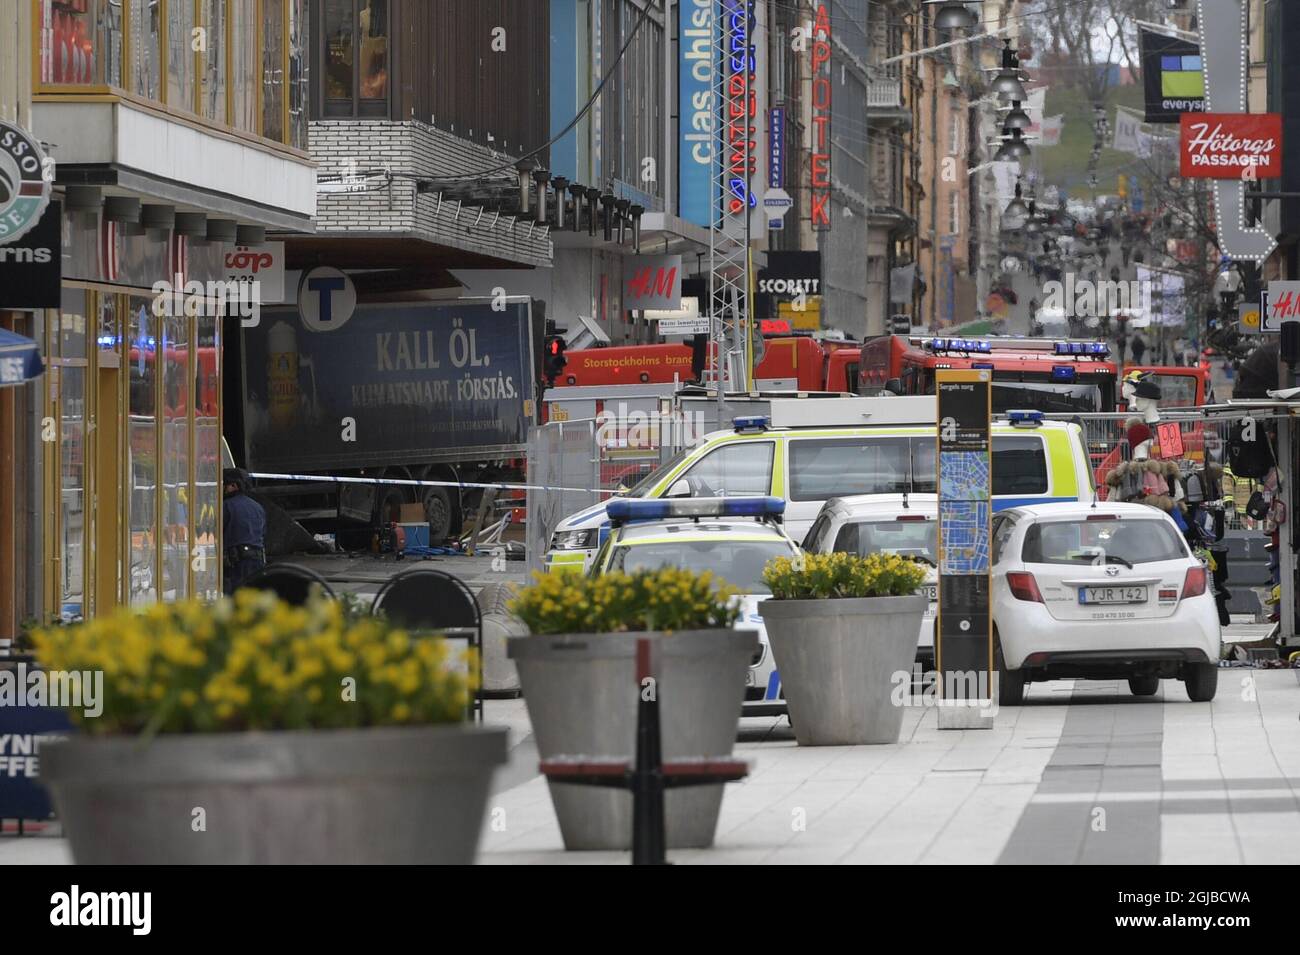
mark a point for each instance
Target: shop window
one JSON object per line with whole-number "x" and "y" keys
{"x": 244, "y": 68}
{"x": 212, "y": 75}
{"x": 72, "y": 491}
{"x": 273, "y": 69}
{"x": 68, "y": 353}
{"x": 81, "y": 43}
{"x": 176, "y": 491}
{"x": 355, "y": 57}
{"x": 146, "y": 49}
{"x": 299, "y": 57}
{"x": 142, "y": 452}
{"x": 207, "y": 450}
{"x": 180, "y": 54}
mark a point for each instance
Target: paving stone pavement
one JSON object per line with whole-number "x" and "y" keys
{"x": 1084, "y": 773}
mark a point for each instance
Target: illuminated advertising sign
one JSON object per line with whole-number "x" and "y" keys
{"x": 697, "y": 129}
{"x": 742, "y": 107}
{"x": 820, "y": 180}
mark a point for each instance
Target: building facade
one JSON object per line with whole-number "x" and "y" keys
{"x": 177, "y": 130}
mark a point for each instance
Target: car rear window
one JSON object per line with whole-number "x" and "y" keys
{"x": 1127, "y": 541}
{"x": 909, "y": 538}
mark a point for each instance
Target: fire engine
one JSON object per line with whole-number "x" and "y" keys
{"x": 789, "y": 363}
{"x": 1059, "y": 376}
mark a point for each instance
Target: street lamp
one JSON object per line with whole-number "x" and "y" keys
{"x": 525, "y": 169}
{"x": 952, "y": 16}
{"x": 561, "y": 183}
{"x": 1017, "y": 118}
{"x": 1013, "y": 149}
{"x": 1016, "y": 208}
{"x": 1007, "y": 83}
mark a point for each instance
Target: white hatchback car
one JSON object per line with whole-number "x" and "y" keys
{"x": 903, "y": 524}
{"x": 1108, "y": 591}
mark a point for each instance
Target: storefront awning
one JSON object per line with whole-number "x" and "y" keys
{"x": 20, "y": 359}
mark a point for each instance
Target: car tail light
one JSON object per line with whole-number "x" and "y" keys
{"x": 1102, "y": 517}
{"x": 1024, "y": 587}
{"x": 1194, "y": 584}
{"x": 912, "y": 517}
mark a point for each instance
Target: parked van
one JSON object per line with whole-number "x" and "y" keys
{"x": 1034, "y": 461}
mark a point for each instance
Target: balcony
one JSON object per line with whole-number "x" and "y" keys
{"x": 885, "y": 102}
{"x": 884, "y": 94}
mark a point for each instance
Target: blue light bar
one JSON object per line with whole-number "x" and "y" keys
{"x": 1025, "y": 418}
{"x": 1061, "y": 348}
{"x": 982, "y": 364}
{"x": 623, "y": 511}
{"x": 754, "y": 423}
{"x": 1063, "y": 373}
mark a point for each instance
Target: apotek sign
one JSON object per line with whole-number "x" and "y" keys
{"x": 820, "y": 178}
{"x": 1231, "y": 146}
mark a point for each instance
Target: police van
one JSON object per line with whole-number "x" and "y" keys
{"x": 891, "y": 451}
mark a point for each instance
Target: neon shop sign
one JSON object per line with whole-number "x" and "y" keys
{"x": 742, "y": 106}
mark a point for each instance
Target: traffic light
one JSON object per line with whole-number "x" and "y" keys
{"x": 555, "y": 361}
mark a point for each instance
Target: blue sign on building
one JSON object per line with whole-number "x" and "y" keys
{"x": 697, "y": 117}
{"x": 776, "y": 147}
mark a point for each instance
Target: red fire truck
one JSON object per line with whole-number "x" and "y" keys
{"x": 1045, "y": 374}
{"x": 1180, "y": 386}
{"x": 790, "y": 363}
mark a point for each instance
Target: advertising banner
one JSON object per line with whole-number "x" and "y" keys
{"x": 1242, "y": 146}
{"x": 395, "y": 384}
{"x": 1171, "y": 76}
{"x": 697, "y": 135}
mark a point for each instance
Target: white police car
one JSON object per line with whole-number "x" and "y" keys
{"x": 904, "y": 524}
{"x": 732, "y": 537}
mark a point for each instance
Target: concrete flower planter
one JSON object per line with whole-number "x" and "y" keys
{"x": 406, "y": 795}
{"x": 582, "y": 694}
{"x": 837, "y": 660}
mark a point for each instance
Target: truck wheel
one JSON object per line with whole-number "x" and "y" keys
{"x": 438, "y": 512}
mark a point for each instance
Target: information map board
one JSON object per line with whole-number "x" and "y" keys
{"x": 963, "y": 633}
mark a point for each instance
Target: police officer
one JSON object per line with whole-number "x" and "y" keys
{"x": 244, "y": 531}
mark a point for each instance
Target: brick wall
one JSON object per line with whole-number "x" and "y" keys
{"x": 409, "y": 151}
